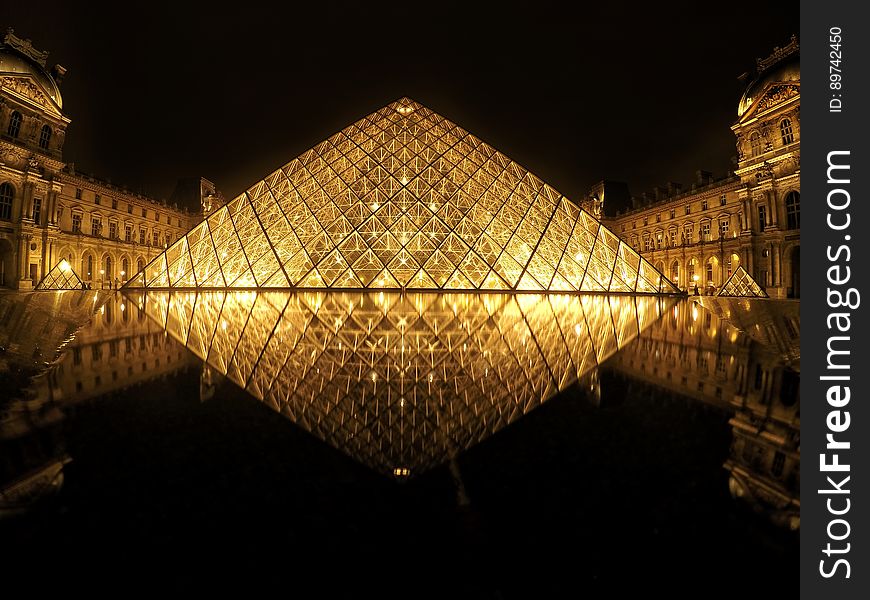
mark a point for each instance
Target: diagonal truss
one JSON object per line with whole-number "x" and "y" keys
{"x": 401, "y": 381}
{"x": 403, "y": 199}
{"x": 61, "y": 277}
{"x": 741, "y": 284}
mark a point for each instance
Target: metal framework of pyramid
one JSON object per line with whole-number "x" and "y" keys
{"x": 741, "y": 285}
{"x": 403, "y": 199}
{"x": 401, "y": 381}
{"x": 61, "y": 277}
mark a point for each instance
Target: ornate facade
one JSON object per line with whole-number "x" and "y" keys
{"x": 751, "y": 218}
{"x": 48, "y": 210}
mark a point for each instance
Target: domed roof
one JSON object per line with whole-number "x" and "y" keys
{"x": 13, "y": 62}
{"x": 784, "y": 70}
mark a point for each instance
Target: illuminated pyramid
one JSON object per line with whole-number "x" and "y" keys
{"x": 403, "y": 199}
{"x": 741, "y": 284}
{"x": 61, "y": 277}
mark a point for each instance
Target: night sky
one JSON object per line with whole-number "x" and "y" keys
{"x": 169, "y": 92}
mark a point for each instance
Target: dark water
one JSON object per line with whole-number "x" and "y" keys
{"x": 449, "y": 446}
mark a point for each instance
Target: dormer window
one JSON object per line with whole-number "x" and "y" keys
{"x": 14, "y": 124}
{"x": 44, "y": 137}
{"x": 786, "y": 132}
{"x": 755, "y": 143}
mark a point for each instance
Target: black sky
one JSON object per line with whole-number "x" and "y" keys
{"x": 643, "y": 95}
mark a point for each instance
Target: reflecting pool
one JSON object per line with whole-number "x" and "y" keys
{"x": 463, "y": 443}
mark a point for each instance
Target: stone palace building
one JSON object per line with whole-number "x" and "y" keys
{"x": 48, "y": 210}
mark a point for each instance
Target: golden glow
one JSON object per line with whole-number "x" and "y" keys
{"x": 403, "y": 199}
{"x": 61, "y": 277}
{"x": 742, "y": 284}
{"x": 402, "y": 380}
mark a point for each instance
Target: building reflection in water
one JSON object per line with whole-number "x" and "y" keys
{"x": 401, "y": 382}
{"x": 105, "y": 345}
{"x": 693, "y": 352}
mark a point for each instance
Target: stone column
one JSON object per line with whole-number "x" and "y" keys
{"x": 776, "y": 266}
{"x": 27, "y": 200}
{"x": 774, "y": 218}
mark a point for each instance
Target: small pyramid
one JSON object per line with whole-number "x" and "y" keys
{"x": 742, "y": 285}
{"x": 406, "y": 190}
{"x": 61, "y": 277}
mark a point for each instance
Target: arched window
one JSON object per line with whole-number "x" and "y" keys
{"x": 108, "y": 269}
{"x": 793, "y": 210}
{"x": 785, "y": 130}
{"x": 87, "y": 267}
{"x": 140, "y": 264}
{"x": 14, "y": 124}
{"x": 125, "y": 268}
{"x": 7, "y": 192}
{"x": 755, "y": 143}
{"x": 675, "y": 271}
{"x": 44, "y": 137}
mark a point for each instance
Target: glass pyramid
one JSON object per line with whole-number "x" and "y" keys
{"x": 61, "y": 277}
{"x": 741, "y": 284}
{"x": 402, "y": 199}
{"x": 401, "y": 381}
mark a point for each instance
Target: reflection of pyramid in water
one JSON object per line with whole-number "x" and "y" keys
{"x": 403, "y": 198}
{"x": 741, "y": 284}
{"x": 61, "y": 277}
{"x": 401, "y": 381}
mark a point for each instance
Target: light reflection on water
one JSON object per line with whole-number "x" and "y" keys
{"x": 403, "y": 383}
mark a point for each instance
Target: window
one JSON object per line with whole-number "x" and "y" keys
{"x": 141, "y": 236}
{"x": 793, "y": 210}
{"x": 647, "y": 243}
{"x": 709, "y": 281}
{"x": 96, "y": 226}
{"x": 90, "y": 265}
{"x": 97, "y": 199}
{"x": 7, "y": 192}
{"x": 659, "y": 242}
{"x": 77, "y": 223}
{"x": 130, "y": 209}
{"x": 44, "y": 137}
{"x": 723, "y": 199}
{"x": 673, "y": 236}
{"x": 145, "y": 213}
{"x": 645, "y": 221}
{"x": 778, "y": 464}
{"x": 688, "y": 232}
{"x": 115, "y": 203}
{"x": 113, "y": 231}
{"x": 14, "y": 124}
{"x": 704, "y": 205}
{"x": 755, "y": 143}
{"x": 786, "y": 132}
{"x": 658, "y": 218}
{"x": 37, "y": 210}
{"x": 723, "y": 227}
{"x": 96, "y": 353}
{"x": 125, "y": 270}
{"x": 634, "y": 241}
{"x": 78, "y": 193}
{"x": 156, "y": 238}
{"x": 688, "y": 209}
{"x": 705, "y": 231}
{"x": 762, "y": 217}
{"x": 157, "y": 216}
{"x": 140, "y": 264}
{"x": 673, "y": 213}
{"x": 168, "y": 239}
{"x": 128, "y": 233}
